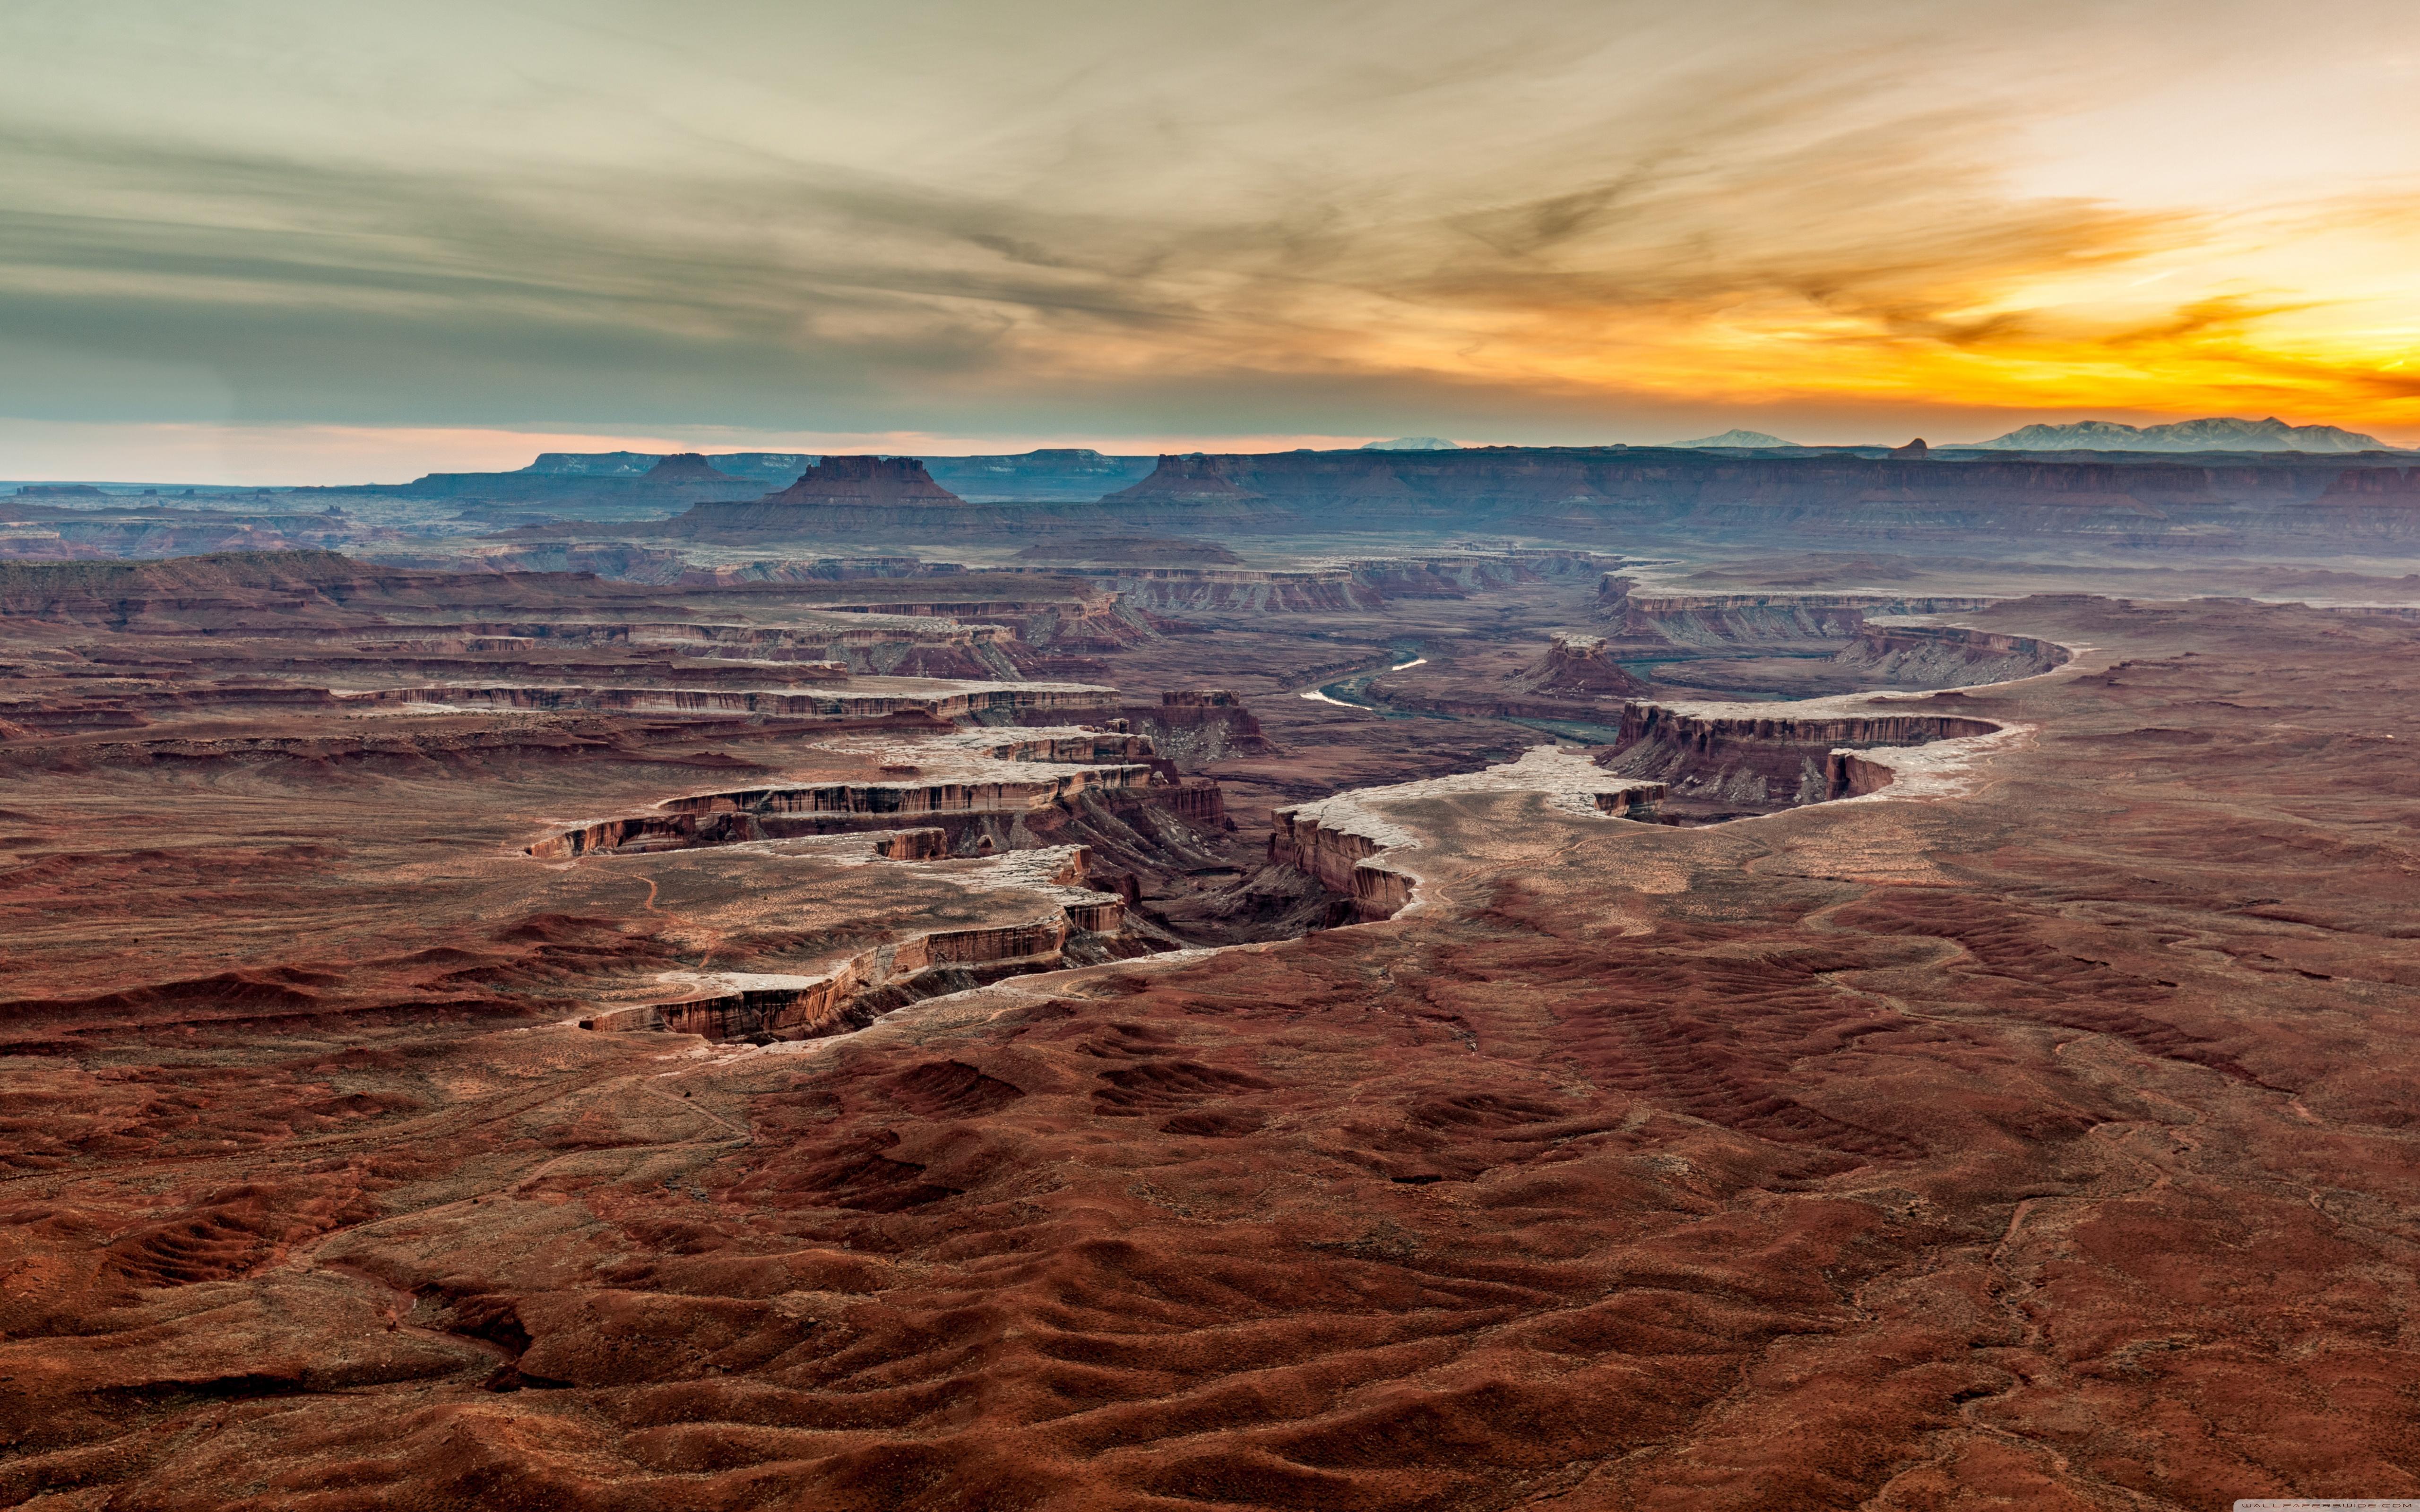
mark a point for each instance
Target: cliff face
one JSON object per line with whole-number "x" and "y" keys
{"x": 1335, "y": 858}
{"x": 1752, "y": 619}
{"x": 969, "y": 700}
{"x": 1067, "y": 474}
{"x": 1342, "y": 841}
{"x": 1722, "y": 765}
{"x": 1594, "y": 489}
{"x": 859, "y": 989}
{"x": 1945, "y": 656}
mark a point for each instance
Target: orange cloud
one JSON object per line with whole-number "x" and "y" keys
{"x": 1156, "y": 220}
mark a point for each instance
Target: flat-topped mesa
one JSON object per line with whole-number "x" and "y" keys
{"x": 840, "y": 494}
{"x": 1191, "y": 476}
{"x": 1737, "y": 764}
{"x": 686, "y": 466}
{"x": 862, "y": 481}
{"x": 1872, "y": 647}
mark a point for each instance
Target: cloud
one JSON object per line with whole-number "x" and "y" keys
{"x": 1089, "y": 217}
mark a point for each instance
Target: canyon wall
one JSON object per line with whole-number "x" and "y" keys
{"x": 1719, "y": 620}
{"x": 739, "y": 1006}
{"x": 1587, "y": 490}
{"x": 725, "y": 818}
{"x": 978, "y": 700}
{"x": 1340, "y": 860}
{"x": 1921, "y": 656}
{"x": 1738, "y": 762}
{"x": 1337, "y": 842}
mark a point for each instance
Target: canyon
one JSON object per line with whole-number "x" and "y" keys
{"x": 1449, "y": 1020}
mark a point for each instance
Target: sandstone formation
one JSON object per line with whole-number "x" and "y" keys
{"x": 1771, "y": 619}
{"x": 1347, "y": 1107}
{"x": 1080, "y": 927}
{"x": 1575, "y": 663}
{"x": 1920, "y": 655}
{"x": 1725, "y": 762}
{"x": 1200, "y": 724}
{"x": 864, "y": 481}
{"x": 1339, "y": 840}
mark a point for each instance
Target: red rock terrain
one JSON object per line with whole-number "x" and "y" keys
{"x": 2035, "y": 1129}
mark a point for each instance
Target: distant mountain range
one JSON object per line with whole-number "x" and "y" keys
{"x": 1738, "y": 438}
{"x": 1412, "y": 444}
{"x": 2216, "y": 435}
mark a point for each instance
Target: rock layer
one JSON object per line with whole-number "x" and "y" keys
{"x": 1742, "y": 760}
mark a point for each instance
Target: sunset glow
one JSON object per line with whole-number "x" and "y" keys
{"x": 1145, "y": 227}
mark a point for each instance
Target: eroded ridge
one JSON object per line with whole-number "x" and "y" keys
{"x": 980, "y": 788}
{"x": 981, "y": 812}
{"x": 1730, "y": 761}
{"x": 859, "y": 697}
{"x": 1340, "y": 840}
{"x": 1077, "y": 926}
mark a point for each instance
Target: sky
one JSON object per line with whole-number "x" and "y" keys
{"x": 290, "y": 241}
